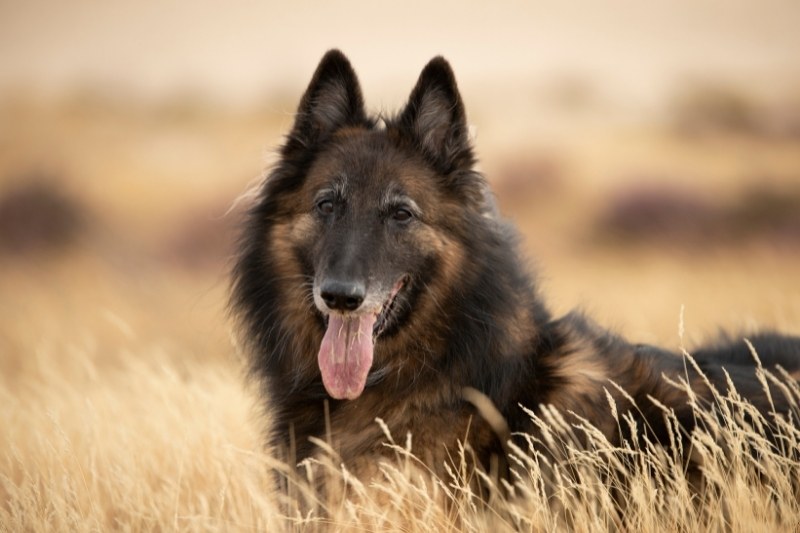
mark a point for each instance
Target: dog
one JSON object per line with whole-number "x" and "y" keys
{"x": 374, "y": 278}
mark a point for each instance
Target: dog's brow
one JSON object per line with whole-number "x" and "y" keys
{"x": 394, "y": 197}
{"x": 327, "y": 191}
{"x": 336, "y": 187}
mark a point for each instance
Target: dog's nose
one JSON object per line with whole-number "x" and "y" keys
{"x": 343, "y": 295}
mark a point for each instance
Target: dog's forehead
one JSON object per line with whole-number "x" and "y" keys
{"x": 371, "y": 163}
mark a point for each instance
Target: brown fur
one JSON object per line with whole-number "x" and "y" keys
{"x": 468, "y": 344}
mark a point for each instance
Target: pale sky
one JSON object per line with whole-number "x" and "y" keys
{"x": 238, "y": 50}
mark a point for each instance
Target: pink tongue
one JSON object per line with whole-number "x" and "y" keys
{"x": 345, "y": 355}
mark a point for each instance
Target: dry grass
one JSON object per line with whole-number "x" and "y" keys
{"x": 124, "y": 406}
{"x": 124, "y": 435}
{"x": 638, "y": 486}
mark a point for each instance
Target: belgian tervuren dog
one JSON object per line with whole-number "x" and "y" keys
{"x": 374, "y": 279}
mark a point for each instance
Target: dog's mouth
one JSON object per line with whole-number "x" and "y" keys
{"x": 347, "y": 348}
{"x": 386, "y": 314}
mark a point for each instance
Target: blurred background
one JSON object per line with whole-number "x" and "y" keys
{"x": 649, "y": 152}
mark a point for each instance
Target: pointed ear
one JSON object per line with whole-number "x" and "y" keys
{"x": 332, "y": 100}
{"x": 434, "y": 119}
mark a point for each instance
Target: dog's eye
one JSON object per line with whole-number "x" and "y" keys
{"x": 325, "y": 207}
{"x": 402, "y": 215}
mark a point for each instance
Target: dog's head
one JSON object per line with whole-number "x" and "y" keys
{"x": 367, "y": 218}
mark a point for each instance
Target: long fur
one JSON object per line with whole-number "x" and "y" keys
{"x": 472, "y": 342}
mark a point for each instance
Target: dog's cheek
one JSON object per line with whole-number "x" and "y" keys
{"x": 449, "y": 254}
{"x": 303, "y": 230}
{"x": 291, "y": 245}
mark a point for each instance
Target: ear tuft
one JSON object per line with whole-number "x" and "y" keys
{"x": 435, "y": 119}
{"x": 332, "y": 101}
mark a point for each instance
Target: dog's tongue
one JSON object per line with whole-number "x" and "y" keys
{"x": 345, "y": 355}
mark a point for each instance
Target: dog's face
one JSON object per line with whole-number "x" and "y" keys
{"x": 368, "y": 218}
{"x": 373, "y": 222}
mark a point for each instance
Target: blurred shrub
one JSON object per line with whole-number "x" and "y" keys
{"x": 664, "y": 215}
{"x": 657, "y": 213}
{"x": 714, "y": 109}
{"x": 764, "y": 212}
{"x": 717, "y": 109}
{"x": 38, "y": 216}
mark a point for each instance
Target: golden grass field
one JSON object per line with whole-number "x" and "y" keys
{"x": 124, "y": 403}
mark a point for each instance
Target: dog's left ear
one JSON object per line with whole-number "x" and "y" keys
{"x": 434, "y": 118}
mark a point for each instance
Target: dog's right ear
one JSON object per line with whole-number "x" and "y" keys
{"x": 332, "y": 101}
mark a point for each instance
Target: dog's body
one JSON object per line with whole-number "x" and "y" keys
{"x": 375, "y": 280}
